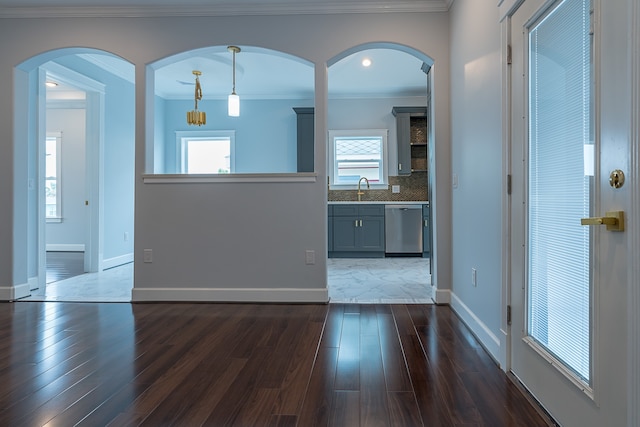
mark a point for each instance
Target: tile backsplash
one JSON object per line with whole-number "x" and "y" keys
{"x": 413, "y": 188}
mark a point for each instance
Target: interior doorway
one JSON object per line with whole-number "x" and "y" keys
{"x": 81, "y": 174}
{"x": 367, "y": 85}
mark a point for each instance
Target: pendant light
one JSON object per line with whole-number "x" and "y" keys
{"x": 196, "y": 117}
{"x": 234, "y": 99}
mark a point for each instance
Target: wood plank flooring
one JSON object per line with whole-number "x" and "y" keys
{"x": 63, "y": 265}
{"x": 65, "y": 364}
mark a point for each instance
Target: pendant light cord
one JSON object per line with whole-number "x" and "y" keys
{"x": 234, "y": 73}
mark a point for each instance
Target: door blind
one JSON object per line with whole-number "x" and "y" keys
{"x": 559, "y": 309}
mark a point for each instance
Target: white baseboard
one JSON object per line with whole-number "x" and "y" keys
{"x": 12, "y": 293}
{"x": 273, "y": 295}
{"x": 488, "y": 339}
{"x": 33, "y": 283}
{"x": 63, "y": 247}
{"x": 117, "y": 261}
{"x": 442, "y": 296}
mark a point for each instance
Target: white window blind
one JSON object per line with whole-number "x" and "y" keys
{"x": 559, "y": 309}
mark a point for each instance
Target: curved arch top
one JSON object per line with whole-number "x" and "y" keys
{"x": 180, "y": 56}
{"x": 381, "y": 45}
{"x": 44, "y": 57}
{"x": 260, "y": 73}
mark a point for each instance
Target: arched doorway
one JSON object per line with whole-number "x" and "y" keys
{"x": 76, "y": 104}
{"x": 367, "y": 86}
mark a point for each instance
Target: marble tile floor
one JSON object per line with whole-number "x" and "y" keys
{"x": 355, "y": 280}
{"x": 112, "y": 285}
{"x": 379, "y": 280}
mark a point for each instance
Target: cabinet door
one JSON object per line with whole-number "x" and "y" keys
{"x": 345, "y": 210}
{"x": 330, "y": 229}
{"x": 426, "y": 230}
{"x": 403, "y": 125}
{"x": 345, "y": 233}
{"x": 371, "y": 234}
{"x": 370, "y": 210}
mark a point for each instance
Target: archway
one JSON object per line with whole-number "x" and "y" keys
{"x": 94, "y": 123}
{"x": 367, "y": 85}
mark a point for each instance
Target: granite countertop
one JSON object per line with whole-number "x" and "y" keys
{"x": 380, "y": 202}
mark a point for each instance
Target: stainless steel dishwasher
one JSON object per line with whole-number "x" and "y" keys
{"x": 403, "y": 229}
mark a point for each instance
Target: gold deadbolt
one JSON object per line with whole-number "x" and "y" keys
{"x": 616, "y": 178}
{"x": 613, "y": 220}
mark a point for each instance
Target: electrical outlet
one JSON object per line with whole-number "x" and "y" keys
{"x": 474, "y": 277}
{"x": 310, "y": 257}
{"x": 395, "y": 188}
{"x": 148, "y": 255}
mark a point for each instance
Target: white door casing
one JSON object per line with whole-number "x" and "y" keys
{"x": 605, "y": 402}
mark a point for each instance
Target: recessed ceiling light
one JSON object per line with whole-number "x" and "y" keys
{"x": 366, "y": 62}
{"x": 51, "y": 84}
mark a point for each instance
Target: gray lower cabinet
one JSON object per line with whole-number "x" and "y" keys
{"x": 426, "y": 231}
{"x": 356, "y": 231}
{"x": 330, "y": 227}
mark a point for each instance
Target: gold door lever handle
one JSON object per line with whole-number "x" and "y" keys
{"x": 613, "y": 220}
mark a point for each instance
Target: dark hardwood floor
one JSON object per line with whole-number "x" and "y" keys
{"x": 63, "y": 265}
{"x": 65, "y": 364}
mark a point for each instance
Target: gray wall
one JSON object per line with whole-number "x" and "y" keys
{"x": 476, "y": 146}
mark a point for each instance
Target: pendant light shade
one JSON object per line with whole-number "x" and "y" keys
{"x": 234, "y": 105}
{"x": 234, "y": 99}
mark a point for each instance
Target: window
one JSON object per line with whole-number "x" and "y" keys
{"x": 355, "y": 154}
{"x": 52, "y": 187}
{"x": 210, "y": 152}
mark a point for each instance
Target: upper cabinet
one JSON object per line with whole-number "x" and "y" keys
{"x": 305, "y": 122}
{"x": 411, "y": 125}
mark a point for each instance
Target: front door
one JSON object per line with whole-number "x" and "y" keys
{"x": 568, "y": 280}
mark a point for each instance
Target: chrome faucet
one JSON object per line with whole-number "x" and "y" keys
{"x": 360, "y": 193}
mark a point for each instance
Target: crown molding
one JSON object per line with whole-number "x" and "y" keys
{"x": 227, "y": 9}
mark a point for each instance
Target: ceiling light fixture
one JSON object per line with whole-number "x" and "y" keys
{"x": 49, "y": 83}
{"x": 234, "y": 99}
{"x": 196, "y": 117}
{"x": 366, "y": 62}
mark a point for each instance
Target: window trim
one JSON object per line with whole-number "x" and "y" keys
{"x": 380, "y": 133}
{"x": 58, "y": 138}
{"x": 183, "y": 136}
